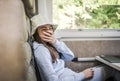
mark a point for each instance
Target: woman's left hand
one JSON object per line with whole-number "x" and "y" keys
{"x": 88, "y": 72}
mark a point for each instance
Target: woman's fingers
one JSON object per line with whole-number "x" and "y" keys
{"x": 88, "y": 72}
{"x": 48, "y": 38}
{"x": 43, "y": 37}
{"x": 47, "y": 34}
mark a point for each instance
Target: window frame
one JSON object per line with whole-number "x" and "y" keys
{"x": 81, "y": 33}
{"x": 88, "y": 34}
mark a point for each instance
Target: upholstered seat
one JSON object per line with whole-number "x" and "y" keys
{"x": 15, "y": 51}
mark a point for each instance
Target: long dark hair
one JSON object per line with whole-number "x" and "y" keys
{"x": 52, "y": 50}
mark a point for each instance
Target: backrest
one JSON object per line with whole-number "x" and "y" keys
{"x": 15, "y": 51}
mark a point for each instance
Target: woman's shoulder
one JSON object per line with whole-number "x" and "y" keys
{"x": 37, "y": 45}
{"x": 40, "y": 49}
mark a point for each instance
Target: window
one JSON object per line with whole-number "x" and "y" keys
{"x": 86, "y": 14}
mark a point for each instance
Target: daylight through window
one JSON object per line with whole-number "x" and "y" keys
{"x": 86, "y": 14}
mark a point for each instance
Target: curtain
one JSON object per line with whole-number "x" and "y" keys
{"x": 45, "y": 8}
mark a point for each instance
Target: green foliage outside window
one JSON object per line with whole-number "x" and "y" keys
{"x": 86, "y": 14}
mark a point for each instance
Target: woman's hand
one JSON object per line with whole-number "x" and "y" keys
{"x": 48, "y": 37}
{"x": 88, "y": 72}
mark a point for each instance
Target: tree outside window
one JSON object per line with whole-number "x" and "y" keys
{"x": 86, "y": 14}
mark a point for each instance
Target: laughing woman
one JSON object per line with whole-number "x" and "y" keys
{"x": 51, "y": 54}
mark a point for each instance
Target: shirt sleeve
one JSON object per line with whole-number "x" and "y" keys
{"x": 67, "y": 54}
{"x": 44, "y": 61}
{"x": 81, "y": 76}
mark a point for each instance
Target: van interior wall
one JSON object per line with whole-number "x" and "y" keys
{"x": 91, "y": 48}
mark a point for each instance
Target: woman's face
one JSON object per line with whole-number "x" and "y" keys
{"x": 46, "y": 32}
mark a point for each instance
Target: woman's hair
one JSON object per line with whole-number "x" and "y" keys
{"x": 52, "y": 50}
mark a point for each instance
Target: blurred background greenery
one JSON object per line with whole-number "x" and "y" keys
{"x": 86, "y": 14}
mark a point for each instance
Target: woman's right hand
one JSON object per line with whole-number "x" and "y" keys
{"x": 88, "y": 72}
{"x": 48, "y": 37}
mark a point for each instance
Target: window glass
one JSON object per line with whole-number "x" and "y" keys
{"x": 86, "y": 14}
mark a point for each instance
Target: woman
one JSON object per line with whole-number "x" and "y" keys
{"x": 51, "y": 53}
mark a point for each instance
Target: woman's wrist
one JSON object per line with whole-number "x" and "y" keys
{"x": 54, "y": 41}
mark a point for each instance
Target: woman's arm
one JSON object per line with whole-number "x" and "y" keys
{"x": 44, "y": 61}
{"x": 67, "y": 54}
{"x": 48, "y": 36}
